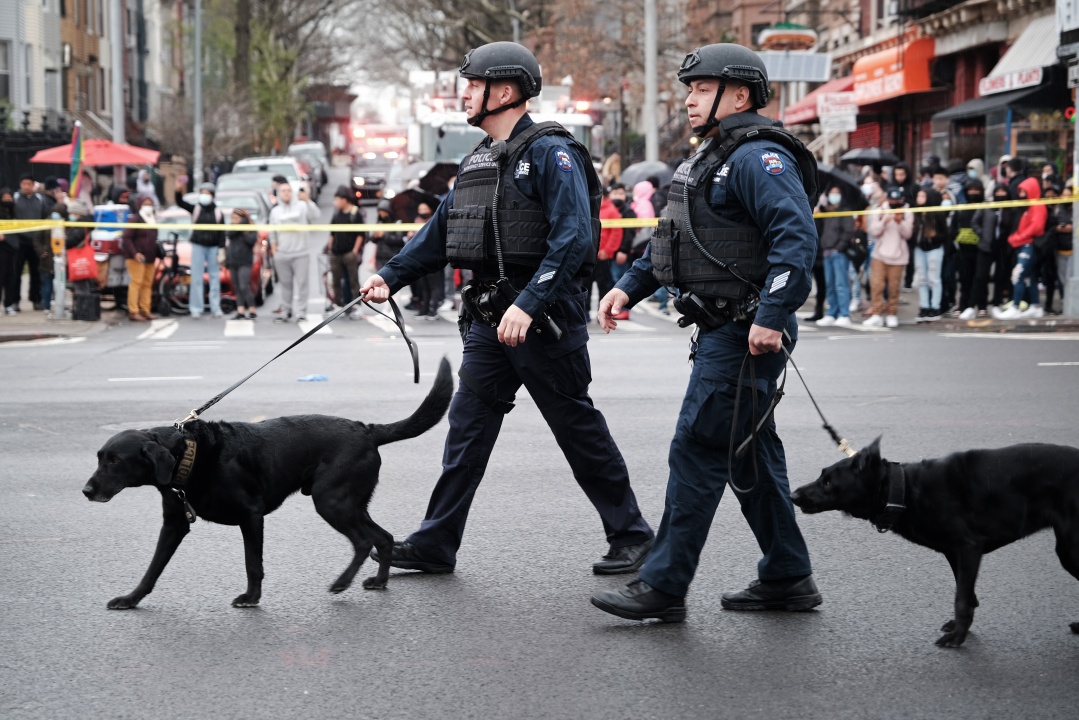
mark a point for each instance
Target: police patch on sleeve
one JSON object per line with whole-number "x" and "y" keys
{"x": 773, "y": 164}
{"x": 561, "y": 159}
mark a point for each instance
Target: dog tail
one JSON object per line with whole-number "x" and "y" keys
{"x": 427, "y": 415}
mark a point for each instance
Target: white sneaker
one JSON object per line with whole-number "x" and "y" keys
{"x": 854, "y": 305}
{"x": 873, "y": 321}
{"x": 826, "y": 321}
{"x": 891, "y": 321}
{"x": 1034, "y": 311}
{"x": 447, "y": 304}
{"x": 356, "y": 313}
{"x": 968, "y": 314}
{"x": 842, "y": 322}
{"x": 1012, "y": 313}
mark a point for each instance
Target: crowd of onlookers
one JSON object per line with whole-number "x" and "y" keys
{"x": 967, "y": 263}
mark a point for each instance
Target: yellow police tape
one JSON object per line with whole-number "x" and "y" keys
{"x": 12, "y": 227}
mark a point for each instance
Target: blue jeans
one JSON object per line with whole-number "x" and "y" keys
{"x": 699, "y": 471}
{"x": 836, "y": 281}
{"x": 46, "y": 290}
{"x": 205, "y": 257}
{"x": 662, "y": 296}
{"x": 1024, "y": 284}
{"x": 617, "y": 271}
{"x": 927, "y": 278}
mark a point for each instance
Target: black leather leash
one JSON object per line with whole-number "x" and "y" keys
{"x": 396, "y": 320}
{"x": 842, "y": 443}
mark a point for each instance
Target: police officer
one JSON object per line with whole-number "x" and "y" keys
{"x": 523, "y": 216}
{"x": 738, "y": 244}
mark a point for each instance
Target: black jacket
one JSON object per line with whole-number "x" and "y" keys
{"x": 240, "y": 251}
{"x": 931, "y": 229}
{"x": 204, "y": 215}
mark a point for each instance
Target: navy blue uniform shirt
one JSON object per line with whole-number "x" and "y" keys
{"x": 544, "y": 172}
{"x": 759, "y": 185}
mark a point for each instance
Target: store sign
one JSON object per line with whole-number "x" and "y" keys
{"x": 1073, "y": 74}
{"x": 1010, "y": 81}
{"x": 837, "y": 111}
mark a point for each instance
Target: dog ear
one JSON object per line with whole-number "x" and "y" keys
{"x": 869, "y": 455}
{"x": 162, "y": 460}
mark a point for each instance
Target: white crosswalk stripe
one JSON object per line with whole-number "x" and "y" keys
{"x": 312, "y": 320}
{"x": 239, "y": 328}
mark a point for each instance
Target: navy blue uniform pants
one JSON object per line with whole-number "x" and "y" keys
{"x": 699, "y": 469}
{"x": 556, "y": 375}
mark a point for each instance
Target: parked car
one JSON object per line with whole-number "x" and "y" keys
{"x": 318, "y": 168}
{"x": 315, "y": 148}
{"x": 258, "y": 181}
{"x": 172, "y": 279}
{"x": 285, "y": 165}
{"x": 369, "y": 175}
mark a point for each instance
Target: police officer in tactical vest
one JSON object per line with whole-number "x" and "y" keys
{"x": 737, "y": 246}
{"x": 523, "y": 216}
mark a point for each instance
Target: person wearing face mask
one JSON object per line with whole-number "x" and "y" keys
{"x": 627, "y": 252}
{"x": 835, "y": 235}
{"x": 931, "y": 232}
{"x": 976, "y": 171}
{"x": 1024, "y": 302}
{"x": 9, "y": 253}
{"x": 888, "y": 259}
{"x": 205, "y": 245}
{"x": 965, "y": 232}
{"x": 140, "y": 252}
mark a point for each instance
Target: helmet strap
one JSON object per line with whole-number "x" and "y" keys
{"x": 712, "y": 123}
{"x": 477, "y": 119}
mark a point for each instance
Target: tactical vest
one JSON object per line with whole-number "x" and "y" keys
{"x": 694, "y": 242}
{"x": 490, "y": 213}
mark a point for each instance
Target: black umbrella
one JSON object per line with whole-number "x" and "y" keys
{"x": 644, "y": 170}
{"x": 403, "y": 204}
{"x": 869, "y": 156}
{"x": 851, "y": 187}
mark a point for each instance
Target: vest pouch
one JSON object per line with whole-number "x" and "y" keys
{"x": 664, "y": 242}
{"x": 468, "y": 241}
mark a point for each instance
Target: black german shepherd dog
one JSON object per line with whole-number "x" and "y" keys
{"x": 963, "y": 505}
{"x": 237, "y": 473}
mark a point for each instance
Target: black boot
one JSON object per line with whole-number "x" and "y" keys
{"x": 619, "y": 561}
{"x": 407, "y": 556}
{"x": 640, "y": 601}
{"x": 794, "y": 595}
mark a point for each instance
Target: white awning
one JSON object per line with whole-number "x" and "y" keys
{"x": 1022, "y": 65}
{"x": 1035, "y": 48}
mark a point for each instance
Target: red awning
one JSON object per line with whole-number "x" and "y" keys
{"x": 898, "y": 71}
{"x": 805, "y": 110}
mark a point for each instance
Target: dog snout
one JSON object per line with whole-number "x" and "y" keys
{"x": 93, "y": 493}
{"x": 798, "y": 497}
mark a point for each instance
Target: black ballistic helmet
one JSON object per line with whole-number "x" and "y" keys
{"x": 501, "y": 62}
{"x": 726, "y": 61}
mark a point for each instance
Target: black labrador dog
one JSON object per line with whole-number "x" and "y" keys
{"x": 963, "y": 505}
{"x": 237, "y": 473}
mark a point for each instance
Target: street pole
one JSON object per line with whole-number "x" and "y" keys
{"x": 651, "y": 133}
{"x": 1071, "y": 291}
{"x": 515, "y": 22}
{"x": 116, "y": 32}
{"x": 196, "y": 176}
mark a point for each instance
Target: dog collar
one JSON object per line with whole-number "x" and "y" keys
{"x": 896, "y": 501}
{"x": 183, "y": 472}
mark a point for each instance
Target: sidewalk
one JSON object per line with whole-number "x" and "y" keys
{"x": 32, "y": 324}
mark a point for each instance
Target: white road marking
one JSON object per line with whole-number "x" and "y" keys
{"x": 43, "y": 342}
{"x": 384, "y": 324}
{"x": 313, "y": 319}
{"x": 1013, "y": 336}
{"x": 239, "y": 328}
{"x": 156, "y": 379}
{"x": 159, "y": 330}
{"x": 634, "y": 327}
{"x": 1057, "y": 364}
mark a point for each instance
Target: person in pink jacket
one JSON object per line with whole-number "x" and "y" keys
{"x": 891, "y": 231}
{"x": 1024, "y": 282}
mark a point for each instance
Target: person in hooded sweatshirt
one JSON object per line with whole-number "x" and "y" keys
{"x": 888, "y": 259}
{"x": 991, "y": 225}
{"x": 902, "y": 179}
{"x": 644, "y": 208}
{"x": 1032, "y": 222}
{"x": 931, "y": 232}
{"x": 239, "y": 257}
{"x": 966, "y": 237}
{"x": 292, "y": 256}
{"x": 976, "y": 171}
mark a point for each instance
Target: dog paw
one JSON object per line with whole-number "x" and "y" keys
{"x": 1075, "y": 627}
{"x": 374, "y": 583}
{"x": 243, "y": 601}
{"x": 124, "y": 602}
{"x": 951, "y": 639}
{"x": 339, "y": 587}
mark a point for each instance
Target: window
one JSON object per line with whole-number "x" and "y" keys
{"x": 29, "y": 58}
{"x": 5, "y": 71}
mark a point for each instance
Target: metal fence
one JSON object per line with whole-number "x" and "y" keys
{"x": 18, "y": 144}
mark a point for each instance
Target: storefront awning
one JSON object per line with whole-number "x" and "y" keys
{"x": 1022, "y": 66}
{"x": 805, "y": 110}
{"x": 888, "y": 74}
{"x": 980, "y": 107}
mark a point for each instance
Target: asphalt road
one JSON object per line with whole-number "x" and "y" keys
{"x": 511, "y": 633}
